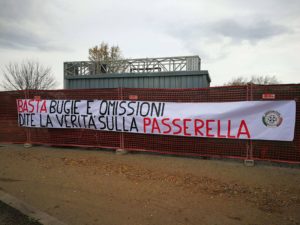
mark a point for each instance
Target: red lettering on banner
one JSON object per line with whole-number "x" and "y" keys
{"x": 198, "y": 127}
{"x": 185, "y": 127}
{"x": 43, "y": 108}
{"x": 167, "y": 125}
{"x": 25, "y": 107}
{"x": 203, "y": 128}
{"x": 155, "y": 126}
{"x": 219, "y": 135}
{"x": 147, "y": 122}
{"x": 229, "y": 130}
{"x": 38, "y": 104}
{"x": 20, "y": 105}
{"x": 208, "y": 128}
{"x": 174, "y": 122}
{"x": 243, "y": 129}
{"x": 31, "y": 106}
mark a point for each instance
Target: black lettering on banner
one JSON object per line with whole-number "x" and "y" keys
{"x": 73, "y": 120}
{"x": 124, "y": 124}
{"x": 44, "y": 120}
{"x": 66, "y": 121}
{"x": 31, "y": 120}
{"x": 21, "y": 120}
{"x": 88, "y": 107}
{"x": 79, "y": 120}
{"x": 163, "y": 109}
{"x": 122, "y": 107}
{"x": 49, "y": 122}
{"x": 76, "y": 107}
{"x": 111, "y": 104}
{"x": 137, "y": 108}
{"x": 41, "y": 121}
{"x": 53, "y": 103}
{"x": 59, "y": 107}
{"x": 113, "y": 115}
{"x": 84, "y": 122}
{"x": 66, "y": 110}
{"x": 116, "y": 108}
{"x": 147, "y": 111}
{"x": 101, "y": 107}
{"x": 100, "y": 119}
{"x": 112, "y": 123}
{"x": 26, "y": 119}
{"x": 59, "y": 120}
{"x": 155, "y": 108}
{"x": 92, "y": 123}
{"x": 116, "y": 120}
{"x": 130, "y": 107}
{"x": 133, "y": 125}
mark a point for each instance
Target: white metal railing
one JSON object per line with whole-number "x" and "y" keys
{"x": 143, "y": 65}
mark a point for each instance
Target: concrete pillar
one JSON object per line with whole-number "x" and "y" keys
{"x": 121, "y": 151}
{"x": 249, "y": 162}
{"x": 27, "y": 145}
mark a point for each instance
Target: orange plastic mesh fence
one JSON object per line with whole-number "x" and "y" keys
{"x": 225, "y": 148}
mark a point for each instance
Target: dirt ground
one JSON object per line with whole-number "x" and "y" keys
{"x": 80, "y": 186}
{"x": 11, "y": 216}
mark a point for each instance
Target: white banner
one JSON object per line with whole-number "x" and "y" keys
{"x": 258, "y": 120}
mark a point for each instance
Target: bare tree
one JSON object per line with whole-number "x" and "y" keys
{"x": 27, "y": 75}
{"x": 106, "y": 58}
{"x": 264, "y": 80}
{"x": 237, "y": 81}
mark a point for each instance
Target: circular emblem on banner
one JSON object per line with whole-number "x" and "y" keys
{"x": 272, "y": 119}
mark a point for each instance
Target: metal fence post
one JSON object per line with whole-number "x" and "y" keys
{"x": 28, "y": 143}
{"x": 249, "y": 148}
{"x": 121, "y": 149}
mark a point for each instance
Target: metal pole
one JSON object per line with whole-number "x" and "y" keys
{"x": 249, "y": 147}
{"x": 28, "y": 143}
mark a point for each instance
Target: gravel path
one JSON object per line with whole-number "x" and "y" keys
{"x": 80, "y": 186}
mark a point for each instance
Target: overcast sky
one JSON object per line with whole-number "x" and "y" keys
{"x": 232, "y": 37}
